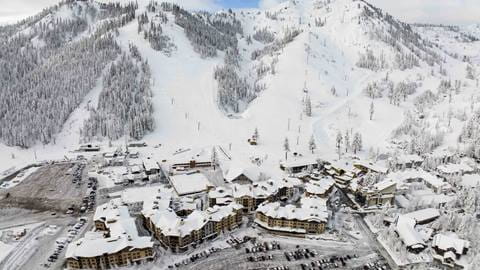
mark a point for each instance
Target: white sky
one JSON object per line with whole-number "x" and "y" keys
{"x": 432, "y": 11}
{"x": 13, "y": 10}
{"x": 425, "y": 11}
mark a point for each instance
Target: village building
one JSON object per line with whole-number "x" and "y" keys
{"x": 242, "y": 175}
{"x": 299, "y": 164}
{"x": 471, "y": 180}
{"x": 138, "y": 198}
{"x": 184, "y": 206}
{"x": 452, "y": 170}
{"x": 343, "y": 173}
{"x": 310, "y": 216}
{"x": 220, "y": 196}
{"x": 449, "y": 249}
{"x": 180, "y": 232}
{"x": 406, "y": 228}
{"x": 368, "y": 167}
{"x": 89, "y": 148}
{"x": 378, "y": 195}
{"x": 115, "y": 244}
{"x": 407, "y": 177}
{"x": 321, "y": 188}
{"x": 190, "y": 184}
{"x": 151, "y": 166}
{"x": 423, "y": 198}
{"x": 186, "y": 160}
{"x": 137, "y": 144}
{"x": 407, "y": 162}
{"x": 251, "y": 196}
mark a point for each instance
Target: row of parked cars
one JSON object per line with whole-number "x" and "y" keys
{"x": 61, "y": 243}
{"x": 300, "y": 254}
{"x": 374, "y": 266}
{"x": 260, "y": 258}
{"x": 334, "y": 262}
{"x": 89, "y": 200}
{"x": 194, "y": 258}
{"x": 282, "y": 267}
{"x": 263, "y": 247}
{"x": 77, "y": 171}
{"x": 235, "y": 241}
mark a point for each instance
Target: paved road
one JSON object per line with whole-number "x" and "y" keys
{"x": 24, "y": 249}
{"x": 374, "y": 242}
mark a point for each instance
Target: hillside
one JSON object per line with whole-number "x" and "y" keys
{"x": 302, "y": 69}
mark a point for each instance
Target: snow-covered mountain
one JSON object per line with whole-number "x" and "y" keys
{"x": 86, "y": 71}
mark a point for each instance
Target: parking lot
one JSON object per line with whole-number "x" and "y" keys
{"x": 55, "y": 255}
{"x": 257, "y": 253}
{"x": 58, "y": 188}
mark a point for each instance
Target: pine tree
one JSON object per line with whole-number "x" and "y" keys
{"x": 311, "y": 144}
{"x": 347, "y": 141}
{"x": 214, "y": 158}
{"x": 339, "y": 143}
{"x": 255, "y": 134}
{"x": 286, "y": 147}
{"x": 372, "y": 110}
{"x": 333, "y": 91}
{"x": 357, "y": 143}
{"x": 308, "y": 106}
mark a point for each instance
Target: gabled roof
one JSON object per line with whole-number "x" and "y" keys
{"x": 236, "y": 170}
{"x": 451, "y": 242}
{"x": 310, "y": 209}
{"x": 406, "y": 230}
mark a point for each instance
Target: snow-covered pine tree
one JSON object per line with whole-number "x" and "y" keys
{"x": 338, "y": 143}
{"x": 311, "y": 144}
{"x": 308, "y": 106}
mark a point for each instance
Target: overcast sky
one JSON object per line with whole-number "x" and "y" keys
{"x": 425, "y": 11}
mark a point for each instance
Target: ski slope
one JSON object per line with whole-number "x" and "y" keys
{"x": 184, "y": 92}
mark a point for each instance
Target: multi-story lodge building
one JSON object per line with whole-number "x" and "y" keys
{"x": 320, "y": 188}
{"x": 449, "y": 249}
{"x": 179, "y": 232}
{"x": 116, "y": 242}
{"x": 379, "y": 194}
{"x": 309, "y": 217}
{"x": 251, "y": 196}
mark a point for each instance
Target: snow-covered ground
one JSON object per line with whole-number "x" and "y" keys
{"x": 19, "y": 178}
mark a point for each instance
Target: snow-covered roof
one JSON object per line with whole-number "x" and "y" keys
{"x": 220, "y": 192}
{"x": 372, "y": 167}
{"x": 405, "y": 228}
{"x": 150, "y": 164}
{"x": 387, "y": 183}
{"x": 185, "y": 184}
{"x": 172, "y": 225}
{"x": 343, "y": 165}
{"x": 454, "y": 168}
{"x": 235, "y": 170}
{"x": 122, "y": 230}
{"x": 299, "y": 162}
{"x": 471, "y": 180}
{"x": 319, "y": 187}
{"x": 427, "y": 198}
{"x": 110, "y": 211}
{"x": 409, "y": 159}
{"x": 217, "y": 213}
{"x": 263, "y": 189}
{"x": 185, "y": 156}
{"x": 157, "y": 195}
{"x": 423, "y": 215}
{"x": 402, "y": 177}
{"x": 450, "y": 242}
{"x": 310, "y": 209}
